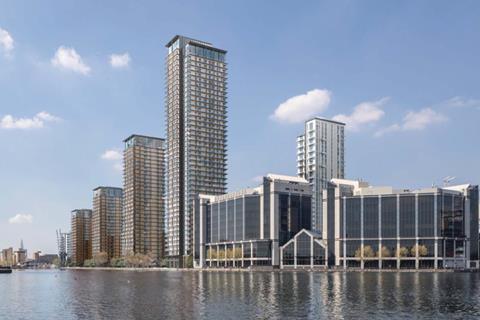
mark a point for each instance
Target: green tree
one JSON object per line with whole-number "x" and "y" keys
{"x": 89, "y": 263}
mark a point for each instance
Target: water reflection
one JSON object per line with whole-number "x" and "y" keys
{"x": 237, "y": 295}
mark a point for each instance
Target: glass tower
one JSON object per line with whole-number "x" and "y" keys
{"x": 196, "y": 115}
{"x": 320, "y": 158}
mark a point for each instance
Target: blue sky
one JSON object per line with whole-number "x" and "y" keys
{"x": 403, "y": 74}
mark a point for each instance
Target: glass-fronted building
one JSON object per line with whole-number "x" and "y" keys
{"x": 196, "y": 114}
{"x": 247, "y": 228}
{"x": 306, "y": 250}
{"x": 380, "y": 227}
{"x": 320, "y": 158}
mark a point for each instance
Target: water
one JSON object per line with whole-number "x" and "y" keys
{"x": 237, "y": 295}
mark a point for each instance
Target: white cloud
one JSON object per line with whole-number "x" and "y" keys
{"x": 120, "y": 60}
{"x": 68, "y": 58}
{"x": 37, "y": 122}
{"x": 112, "y": 154}
{"x": 6, "y": 41}
{"x": 459, "y": 102}
{"x": 363, "y": 114}
{"x": 415, "y": 121}
{"x": 21, "y": 218}
{"x": 302, "y": 107}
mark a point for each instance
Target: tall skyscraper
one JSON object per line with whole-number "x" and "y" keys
{"x": 144, "y": 196}
{"x": 81, "y": 236}
{"x": 320, "y": 158}
{"x": 196, "y": 108}
{"x": 107, "y": 221}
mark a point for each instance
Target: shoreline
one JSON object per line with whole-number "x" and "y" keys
{"x": 156, "y": 269}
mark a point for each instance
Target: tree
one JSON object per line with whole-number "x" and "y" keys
{"x": 422, "y": 250}
{"x": 56, "y": 262}
{"x": 403, "y": 252}
{"x": 117, "y": 262}
{"x": 385, "y": 252}
{"x": 368, "y": 252}
{"x": 89, "y": 263}
{"x": 238, "y": 253}
{"x": 358, "y": 252}
{"x": 100, "y": 259}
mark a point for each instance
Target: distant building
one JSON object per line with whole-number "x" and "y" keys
{"x": 246, "y": 228}
{"x": 196, "y": 116}
{"x": 8, "y": 257}
{"x": 81, "y": 236}
{"x": 36, "y": 255}
{"x": 144, "y": 202}
{"x": 320, "y": 158}
{"x": 64, "y": 244}
{"x": 380, "y": 227}
{"x": 107, "y": 221}
{"x": 21, "y": 254}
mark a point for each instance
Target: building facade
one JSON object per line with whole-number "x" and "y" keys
{"x": 320, "y": 158}
{"x": 380, "y": 227}
{"x": 8, "y": 257}
{"x": 144, "y": 196}
{"x": 247, "y": 228}
{"x": 81, "y": 224}
{"x": 196, "y": 114}
{"x": 64, "y": 244}
{"x": 306, "y": 250}
{"x": 107, "y": 221}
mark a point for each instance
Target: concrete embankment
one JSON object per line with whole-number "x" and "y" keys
{"x": 260, "y": 270}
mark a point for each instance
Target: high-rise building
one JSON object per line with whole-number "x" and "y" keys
{"x": 64, "y": 244}
{"x": 144, "y": 196}
{"x": 21, "y": 254}
{"x": 107, "y": 221}
{"x": 196, "y": 114}
{"x": 8, "y": 257}
{"x": 81, "y": 236}
{"x": 320, "y": 158}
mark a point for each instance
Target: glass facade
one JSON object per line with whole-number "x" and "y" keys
{"x": 244, "y": 220}
{"x": 426, "y": 229}
{"x": 320, "y": 158}
{"x": 196, "y": 131}
{"x": 304, "y": 250}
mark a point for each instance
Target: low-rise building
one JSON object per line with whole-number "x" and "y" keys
{"x": 381, "y": 227}
{"x": 247, "y": 228}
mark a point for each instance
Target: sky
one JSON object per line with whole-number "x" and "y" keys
{"x": 78, "y": 77}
